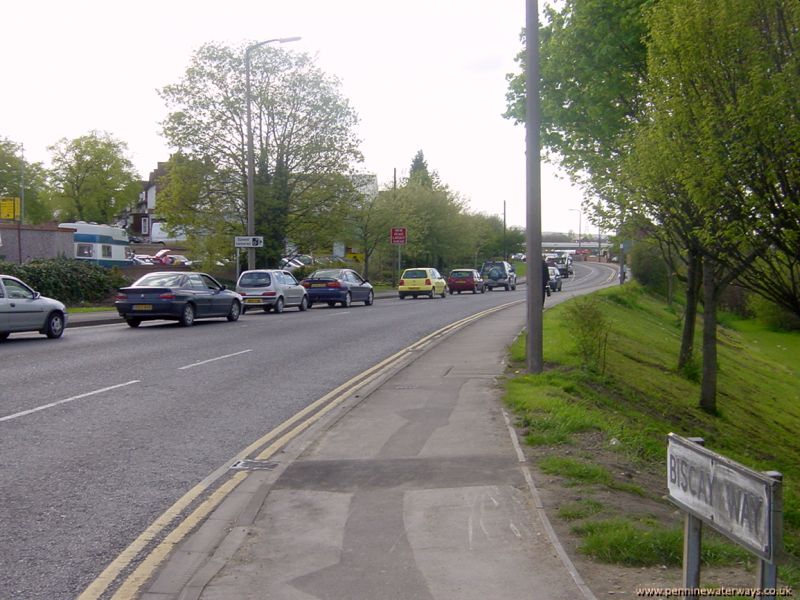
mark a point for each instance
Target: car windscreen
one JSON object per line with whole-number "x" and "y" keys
{"x": 160, "y": 280}
{"x": 326, "y": 274}
{"x": 258, "y": 279}
{"x": 461, "y": 274}
{"x": 415, "y": 274}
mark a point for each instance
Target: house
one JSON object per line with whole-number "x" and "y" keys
{"x": 143, "y": 221}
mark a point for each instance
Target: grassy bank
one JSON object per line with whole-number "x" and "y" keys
{"x": 628, "y": 405}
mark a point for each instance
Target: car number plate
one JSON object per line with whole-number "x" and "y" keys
{"x": 319, "y": 285}
{"x": 142, "y": 307}
{"x": 252, "y": 301}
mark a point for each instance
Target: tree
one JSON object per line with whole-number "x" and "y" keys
{"x": 711, "y": 63}
{"x": 93, "y": 177}
{"x": 420, "y": 174}
{"x": 16, "y": 172}
{"x": 303, "y": 136}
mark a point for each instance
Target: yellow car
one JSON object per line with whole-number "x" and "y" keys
{"x": 422, "y": 281}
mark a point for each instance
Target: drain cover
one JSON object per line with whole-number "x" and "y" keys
{"x": 253, "y": 465}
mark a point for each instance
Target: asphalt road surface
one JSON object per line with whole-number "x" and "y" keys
{"x": 103, "y": 430}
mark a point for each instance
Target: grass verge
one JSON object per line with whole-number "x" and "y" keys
{"x": 639, "y": 397}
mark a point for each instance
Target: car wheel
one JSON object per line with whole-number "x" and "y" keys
{"x": 475, "y": 289}
{"x": 483, "y": 289}
{"x": 278, "y": 307}
{"x": 4, "y": 335}
{"x": 370, "y": 299}
{"x": 303, "y": 304}
{"x": 55, "y": 325}
{"x": 507, "y": 287}
{"x": 234, "y": 312}
{"x": 348, "y": 300}
{"x": 331, "y": 303}
{"x": 133, "y": 322}
{"x": 402, "y": 296}
{"x": 310, "y": 304}
{"x": 513, "y": 287}
{"x": 444, "y": 292}
{"x": 244, "y": 310}
{"x": 187, "y": 315}
{"x": 267, "y": 308}
{"x": 432, "y": 292}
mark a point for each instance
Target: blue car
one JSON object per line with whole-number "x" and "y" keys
{"x": 338, "y": 286}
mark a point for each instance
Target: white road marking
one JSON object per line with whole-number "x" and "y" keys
{"x": 203, "y": 362}
{"x": 52, "y": 404}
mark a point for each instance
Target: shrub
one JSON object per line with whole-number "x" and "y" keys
{"x": 68, "y": 280}
{"x": 590, "y": 331}
{"x": 649, "y": 267}
{"x": 772, "y": 315}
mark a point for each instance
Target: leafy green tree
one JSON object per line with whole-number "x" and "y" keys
{"x": 711, "y": 64}
{"x": 303, "y": 131}
{"x": 16, "y": 172}
{"x": 93, "y": 177}
{"x": 419, "y": 173}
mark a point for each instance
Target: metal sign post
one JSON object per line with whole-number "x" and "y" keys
{"x": 742, "y": 504}
{"x": 398, "y": 237}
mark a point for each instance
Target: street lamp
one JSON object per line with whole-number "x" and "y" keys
{"x": 580, "y": 214}
{"x": 251, "y": 169}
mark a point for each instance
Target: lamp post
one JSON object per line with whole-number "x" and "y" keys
{"x": 251, "y": 169}
{"x": 580, "y": 215}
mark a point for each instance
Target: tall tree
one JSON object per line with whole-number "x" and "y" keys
{"x": 93, "y": 177}
{"x": 304, "y": 137}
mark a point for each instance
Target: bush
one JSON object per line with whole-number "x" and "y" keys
{"x": 590, "y": 331}
{"x": 649, "y": 267}
{"x": 772, "y": 315}
{"x": 68, "y": 280}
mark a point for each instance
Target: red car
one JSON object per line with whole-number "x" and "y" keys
{"x": 465, "y": 280}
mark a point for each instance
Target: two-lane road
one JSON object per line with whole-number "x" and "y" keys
{"x": 102, "y": 430}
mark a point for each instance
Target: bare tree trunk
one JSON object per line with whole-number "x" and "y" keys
{"x": 690, "y": 316}
{"x": 708, "y": 388}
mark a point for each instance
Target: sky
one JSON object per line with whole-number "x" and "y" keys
{"x": 421, "y": 74}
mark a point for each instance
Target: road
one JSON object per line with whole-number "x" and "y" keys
{"x": 102, "y": 430}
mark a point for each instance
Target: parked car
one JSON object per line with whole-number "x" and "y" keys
{"x": 465, "y": 280}
{"x": 555, "y": 279}
{"x": 342, "y": 286}
{"x": 178, "y": 296}
{"x": 178, "y": 260}
{"x": 499, "y": 273}
{"x": 24, "y": 309}
{"x": 421, "y": 281}
{"x": 271, "y": 289}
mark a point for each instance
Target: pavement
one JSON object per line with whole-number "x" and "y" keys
{"x": 413, "y": 487}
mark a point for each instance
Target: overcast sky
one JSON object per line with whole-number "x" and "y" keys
{"x": 421, "y": 74}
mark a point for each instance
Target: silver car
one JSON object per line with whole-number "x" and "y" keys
{"x": 271, "y": 289}
{"x": 23, "y": 309}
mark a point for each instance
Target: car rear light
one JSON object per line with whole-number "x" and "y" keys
{"x": 305, "y": 284}
{"x": 121, "y": 297}
{"x": 427, "y": 282}
{"x": 334, "y": 284}
{"x": 402, "y": 282}
{"x": 269, "y": 294}
{"x": 167, "y": 296}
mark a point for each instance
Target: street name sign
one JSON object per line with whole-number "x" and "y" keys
{"x": 249, "y": 241}
{"x": 740, "y": 503}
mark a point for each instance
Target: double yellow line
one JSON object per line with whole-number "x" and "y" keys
{"x": 271, "y": 443}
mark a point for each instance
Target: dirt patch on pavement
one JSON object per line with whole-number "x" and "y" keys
{"x": 611, "y": 580}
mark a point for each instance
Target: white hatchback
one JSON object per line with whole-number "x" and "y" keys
{"x": 271, "y": 289}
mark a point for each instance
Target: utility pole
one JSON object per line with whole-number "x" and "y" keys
{"x": 533, "y": 192}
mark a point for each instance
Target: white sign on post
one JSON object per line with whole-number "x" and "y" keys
{"x": 736, "y": 501}
{"x": 249, "y": 241}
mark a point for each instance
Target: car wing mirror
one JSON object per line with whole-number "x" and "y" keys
{"x": 36, "y": 295}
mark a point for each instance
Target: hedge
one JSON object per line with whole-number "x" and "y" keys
{"x": 70, "y": 281}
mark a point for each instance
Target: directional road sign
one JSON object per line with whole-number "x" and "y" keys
{"x": 249, "y": 241}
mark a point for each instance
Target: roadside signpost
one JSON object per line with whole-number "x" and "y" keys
{"x": 742, "y": 504}
{"x": 246, "y": 241}
{"x": 398, "y": 236}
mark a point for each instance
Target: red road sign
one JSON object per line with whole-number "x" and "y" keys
{"x": 398, "y": 235}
